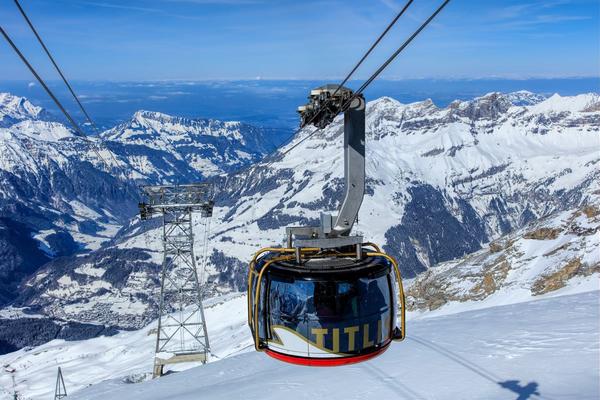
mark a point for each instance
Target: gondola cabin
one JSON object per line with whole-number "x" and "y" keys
{"x": 324, "y": 308}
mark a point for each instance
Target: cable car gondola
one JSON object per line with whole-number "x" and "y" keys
{"x": 327, "y": 298}
{"x": 330, "y": 308}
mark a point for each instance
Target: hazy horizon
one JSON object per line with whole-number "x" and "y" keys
{"x": 269, "y": 103}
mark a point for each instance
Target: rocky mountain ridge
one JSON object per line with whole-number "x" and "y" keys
{"x": 553, "y": 254}
{"x": 442, "y": 183}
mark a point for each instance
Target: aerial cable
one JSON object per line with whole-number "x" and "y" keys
{"x": 349, "y": 75}
{"x": 35, "y": 32}
{"x": 364, "y": 57}
{"x": 83, "y": 110}
{"x": 400, "y": 49}
{"x": 78, "y": 130}
{"x": 372, "y": 77}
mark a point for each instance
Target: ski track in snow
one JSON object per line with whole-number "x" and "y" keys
{"x": 543, "y": 349}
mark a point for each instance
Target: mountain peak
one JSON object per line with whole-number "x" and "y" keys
{"x": 392, "y": 109}
{"x": 156, "y": 115}
{"x": 489, "y": 106}
{"x": 426, "y": 104}
{"x": 384, "y": 101}
{"x": 154, "y": 119}
{"x": 588, "y": 102}
{"x": 14, "y": 109}
{"x": 491, "y": 97}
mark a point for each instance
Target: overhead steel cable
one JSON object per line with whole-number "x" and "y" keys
{"x": 364, "y": 57}
{"x": 373, "y": 76}
{"x": 12, "y": 44}
{"x": 349, "y": 75}
{"x": 77, "y": 130}
{"x": 399, "y": 50}
{"x": 81, "y": 107}
{"x": 35, "y": 32}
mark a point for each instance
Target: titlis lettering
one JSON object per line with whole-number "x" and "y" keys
{"x": 347, "y": 335}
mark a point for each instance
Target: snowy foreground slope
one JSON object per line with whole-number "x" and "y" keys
{"x": 555, "y": 256}
{"x": 505, "y": 339}
{"x": 127, "y": 356}
{"x": 545, "y": 349}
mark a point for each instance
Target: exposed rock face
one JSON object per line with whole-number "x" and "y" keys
{"x": 543, "y": 234}
{"x": 519, "y": 264}
{"x": 557, "y": 280}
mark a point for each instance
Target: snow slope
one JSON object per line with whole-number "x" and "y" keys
{"x": 524, "y": 332}
{"x": 128, "y": 355}
{"x": 545, "y": 349}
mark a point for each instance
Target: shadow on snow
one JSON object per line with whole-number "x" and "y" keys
{"x": 524, "y": 392}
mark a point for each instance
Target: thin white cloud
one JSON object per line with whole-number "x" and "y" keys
{"x": 391, "y": 4}
{"x": 517, "y": 10}
{"x": 218, "y": 2}
{"x": 139, "y": 9}
{"x": 396, "y": 7}
{"x": 541, "y": 20}
{"x": 120, "y": 6}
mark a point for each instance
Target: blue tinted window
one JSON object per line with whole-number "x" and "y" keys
{"x": 349, "y": 316}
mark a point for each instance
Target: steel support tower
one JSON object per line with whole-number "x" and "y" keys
{"x": 181, "y": 334}
{"x": 60, "y": 391}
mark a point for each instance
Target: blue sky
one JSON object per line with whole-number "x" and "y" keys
{"x": 290, "y": 39}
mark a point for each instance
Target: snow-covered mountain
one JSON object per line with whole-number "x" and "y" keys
{"x": 57, "y": 194}
{"x": 442, "y": 182}
{"x": 162, "y": 147}
{"x": 14, "y": 109}
{"x": 62, "y": 193}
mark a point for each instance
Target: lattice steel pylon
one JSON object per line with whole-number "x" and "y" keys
{"x": 182, "y": 334}
{"x": 60, "y": 391}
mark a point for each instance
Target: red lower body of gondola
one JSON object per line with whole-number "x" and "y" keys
{"x": 326, "y": 362}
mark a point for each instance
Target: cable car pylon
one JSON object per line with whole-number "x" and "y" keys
{"x": 182, "y": 335}
{"x": 60, "y": 391}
